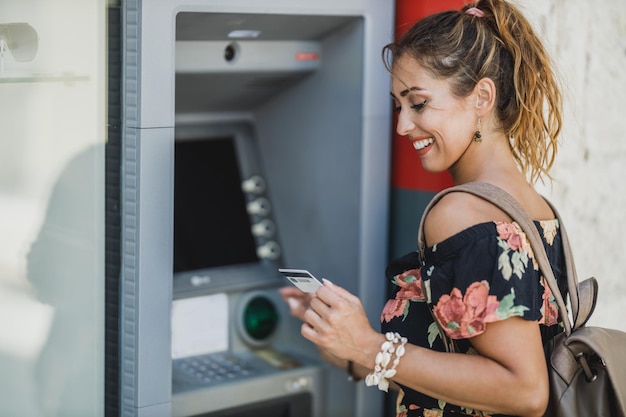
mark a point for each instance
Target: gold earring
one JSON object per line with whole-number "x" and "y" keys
{"x": 477, "y": 136}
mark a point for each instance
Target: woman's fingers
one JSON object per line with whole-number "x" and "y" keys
{"x": 297, "y": 301}
{"x": 334, "y": 319}
{"x": 332, "y": 293}
{"x": 291, "y": 291}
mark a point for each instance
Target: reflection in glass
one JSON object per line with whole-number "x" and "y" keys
{"x": 64, "y": 267}
{"x": 20, "y": 39}
{"x": 52, "y": 138}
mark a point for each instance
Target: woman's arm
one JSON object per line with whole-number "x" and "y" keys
{"x": 508, "y": 376}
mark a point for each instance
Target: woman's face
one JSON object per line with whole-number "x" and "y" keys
{"x": 440, "y": 125}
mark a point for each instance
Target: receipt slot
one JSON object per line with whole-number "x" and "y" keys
{"x": 256, "y": 137}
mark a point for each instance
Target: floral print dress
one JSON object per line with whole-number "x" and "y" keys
{"x": 481, "y": 275}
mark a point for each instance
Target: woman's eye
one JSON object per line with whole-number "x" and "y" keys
{"x": 419, "y": 106}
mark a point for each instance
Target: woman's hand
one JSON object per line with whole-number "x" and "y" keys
{"x": 297, "y": 300}
{"x": 336, "y": 322}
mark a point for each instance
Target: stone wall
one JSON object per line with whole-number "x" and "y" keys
{"x": 587, "y": 41}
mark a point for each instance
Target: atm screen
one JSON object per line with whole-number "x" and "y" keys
{"x": 211, "y": 224}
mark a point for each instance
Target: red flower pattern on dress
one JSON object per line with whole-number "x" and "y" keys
{"x": 410, "y": 283}
{"x": 393, "y": 308}
{"x": 515, "y": 238}
{"x": 512, "y": 233}
{"x": 550, "y": 313}
{"x": 467, "y": 316}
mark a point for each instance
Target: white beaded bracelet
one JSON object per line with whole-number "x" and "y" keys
{"x": 380, "y": 373}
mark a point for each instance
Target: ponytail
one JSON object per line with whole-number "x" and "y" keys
{"x": 491, "y": 38}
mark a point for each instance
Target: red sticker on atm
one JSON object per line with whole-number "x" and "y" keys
{"x": 307, "y": 56}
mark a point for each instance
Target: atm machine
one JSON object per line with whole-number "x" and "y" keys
{"x": 256, "y": 136}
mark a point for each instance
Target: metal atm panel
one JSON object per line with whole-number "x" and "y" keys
{"x": 229, "y": 348}
{"x": 320, "y": 127}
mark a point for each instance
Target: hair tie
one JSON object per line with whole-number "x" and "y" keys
{"x": 475, "y": 11}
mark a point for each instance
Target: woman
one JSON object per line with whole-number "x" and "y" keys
{"x": 476, "y": 96}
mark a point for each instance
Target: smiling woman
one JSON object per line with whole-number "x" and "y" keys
{"x": 460, "y": 84}
{"x": 459, "y": 88}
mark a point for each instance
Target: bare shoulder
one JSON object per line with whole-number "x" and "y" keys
{"x": 456, "y": 212}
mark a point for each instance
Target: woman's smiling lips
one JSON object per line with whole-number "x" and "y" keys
{"x": 420, "y": 143}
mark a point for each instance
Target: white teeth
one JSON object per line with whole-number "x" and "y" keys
{"x": 421, "y": 144}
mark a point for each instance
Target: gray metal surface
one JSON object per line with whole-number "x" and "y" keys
{"x": 324, "y": 141}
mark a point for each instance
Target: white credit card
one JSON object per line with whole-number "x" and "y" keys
{"x": 302, "y": 279}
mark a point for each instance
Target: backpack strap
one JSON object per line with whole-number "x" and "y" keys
{"x": 582, "y": 306}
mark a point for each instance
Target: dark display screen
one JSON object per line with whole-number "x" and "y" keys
{"x": 211, "y": 224}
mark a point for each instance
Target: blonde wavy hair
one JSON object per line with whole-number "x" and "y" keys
{"x": 499, "y": 43}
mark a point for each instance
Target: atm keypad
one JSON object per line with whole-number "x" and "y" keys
{"x": 215, "y": 368}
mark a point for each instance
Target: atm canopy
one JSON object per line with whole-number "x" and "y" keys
{"x": 191, "y": 26}
{"x": 232, "y": 62}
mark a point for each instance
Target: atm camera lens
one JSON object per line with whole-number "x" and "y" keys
{"x": 230, "y": 52}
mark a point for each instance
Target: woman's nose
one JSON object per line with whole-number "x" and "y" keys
{"x": 404, "y": 125}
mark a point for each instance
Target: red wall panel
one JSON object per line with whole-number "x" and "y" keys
{"x": 407, "y": 171}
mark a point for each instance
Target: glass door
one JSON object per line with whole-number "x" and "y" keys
{"x": 53, "y": 134}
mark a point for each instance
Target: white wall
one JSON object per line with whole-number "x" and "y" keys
{"x": 587, "y": 41}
